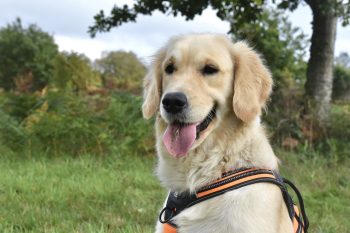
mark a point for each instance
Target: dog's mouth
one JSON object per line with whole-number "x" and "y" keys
{"x": 205, "y": 123}
{"x": 180, "y": 136}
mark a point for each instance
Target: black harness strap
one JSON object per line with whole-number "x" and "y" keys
{"x": 232, "y": 180}
{"x": 304, "y": 221}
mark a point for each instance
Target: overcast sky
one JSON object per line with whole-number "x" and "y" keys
{"x": 68, "y": 22}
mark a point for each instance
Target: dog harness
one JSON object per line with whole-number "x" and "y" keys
{"x": 229, "y": 181}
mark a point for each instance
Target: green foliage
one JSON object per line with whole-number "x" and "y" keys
{"x": 62, "y": 123}
{"x": 73, "y": 71}
{"x": 241, "y": 11}
{"x": 341, "y": 83}
{"x": 26, "y": 57}
{"x": 122, "y": 69}
{"x": 20, "y": 106}
{"x": 340, "y": 123}
{"x": 12, "y": 133}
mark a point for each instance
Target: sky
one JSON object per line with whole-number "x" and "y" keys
{"x": 68, "y": 22}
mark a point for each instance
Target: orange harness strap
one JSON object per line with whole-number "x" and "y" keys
{"x": 168, "y": 228}
{"x": 230, "y": 181}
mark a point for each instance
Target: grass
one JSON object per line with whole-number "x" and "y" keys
{"x": 325, "y": 185}
{"x": 85, "y": 194}
{"x": 119, "y": 193}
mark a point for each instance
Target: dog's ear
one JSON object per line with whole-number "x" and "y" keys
{"x": 252, "y": 82}
{"x": 152, "y": 87}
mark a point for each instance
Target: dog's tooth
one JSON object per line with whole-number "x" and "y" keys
{"x": 176, "y": 133}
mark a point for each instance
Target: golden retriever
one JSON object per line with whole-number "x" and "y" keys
{"x": 208, "y": 95}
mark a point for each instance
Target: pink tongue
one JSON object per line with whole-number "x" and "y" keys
{"x": 179, "y": 139}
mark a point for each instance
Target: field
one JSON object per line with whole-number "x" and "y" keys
{"x": 86, "y": 194}
{"x": 117, "y": 191}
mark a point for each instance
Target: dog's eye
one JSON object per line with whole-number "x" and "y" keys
{"x": 170, "y": 68}
{"x": 209, "y": 70}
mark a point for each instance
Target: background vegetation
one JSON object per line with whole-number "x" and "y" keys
{"x": 76, "y": 155}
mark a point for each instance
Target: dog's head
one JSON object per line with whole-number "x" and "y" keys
{"x": 195, "y": 80}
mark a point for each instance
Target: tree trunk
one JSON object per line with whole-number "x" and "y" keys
{"x": 319, "y": 81}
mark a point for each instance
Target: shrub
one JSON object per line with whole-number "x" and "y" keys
{"x": 12, "y": 135}
{"x": 20, "y": 106}
{"x": 341, "y": 83}
{"x": 64, "y": 123}
{"x": 126, "y": 124}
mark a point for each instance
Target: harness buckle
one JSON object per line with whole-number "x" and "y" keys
{"x": 163, "y": 211}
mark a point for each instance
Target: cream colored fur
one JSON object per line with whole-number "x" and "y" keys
{"x": 233, "y": 140}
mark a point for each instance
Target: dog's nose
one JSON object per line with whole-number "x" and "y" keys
{"x": 174, "y": 102}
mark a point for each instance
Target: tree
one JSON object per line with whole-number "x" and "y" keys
{"x": 74, "y": 71}
{"x": 318, "y": 86}
{"x": 123, "y": 69}
{"x": 26, "y": 57}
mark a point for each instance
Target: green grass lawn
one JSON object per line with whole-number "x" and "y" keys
{"x": 86, "y": 194}
{"x": 324, "y": 182}
{"x": 119, "y": 193}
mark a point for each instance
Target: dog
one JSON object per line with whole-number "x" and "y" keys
{"x": 208, "y": 95}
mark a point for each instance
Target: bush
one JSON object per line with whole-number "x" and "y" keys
{"x": 12, "y": 135}
{"x": 341, "y": 83}
{"x": 126, "y": 124}
{"x": 76, "y": 125}
{"x": 20, "y": 106}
